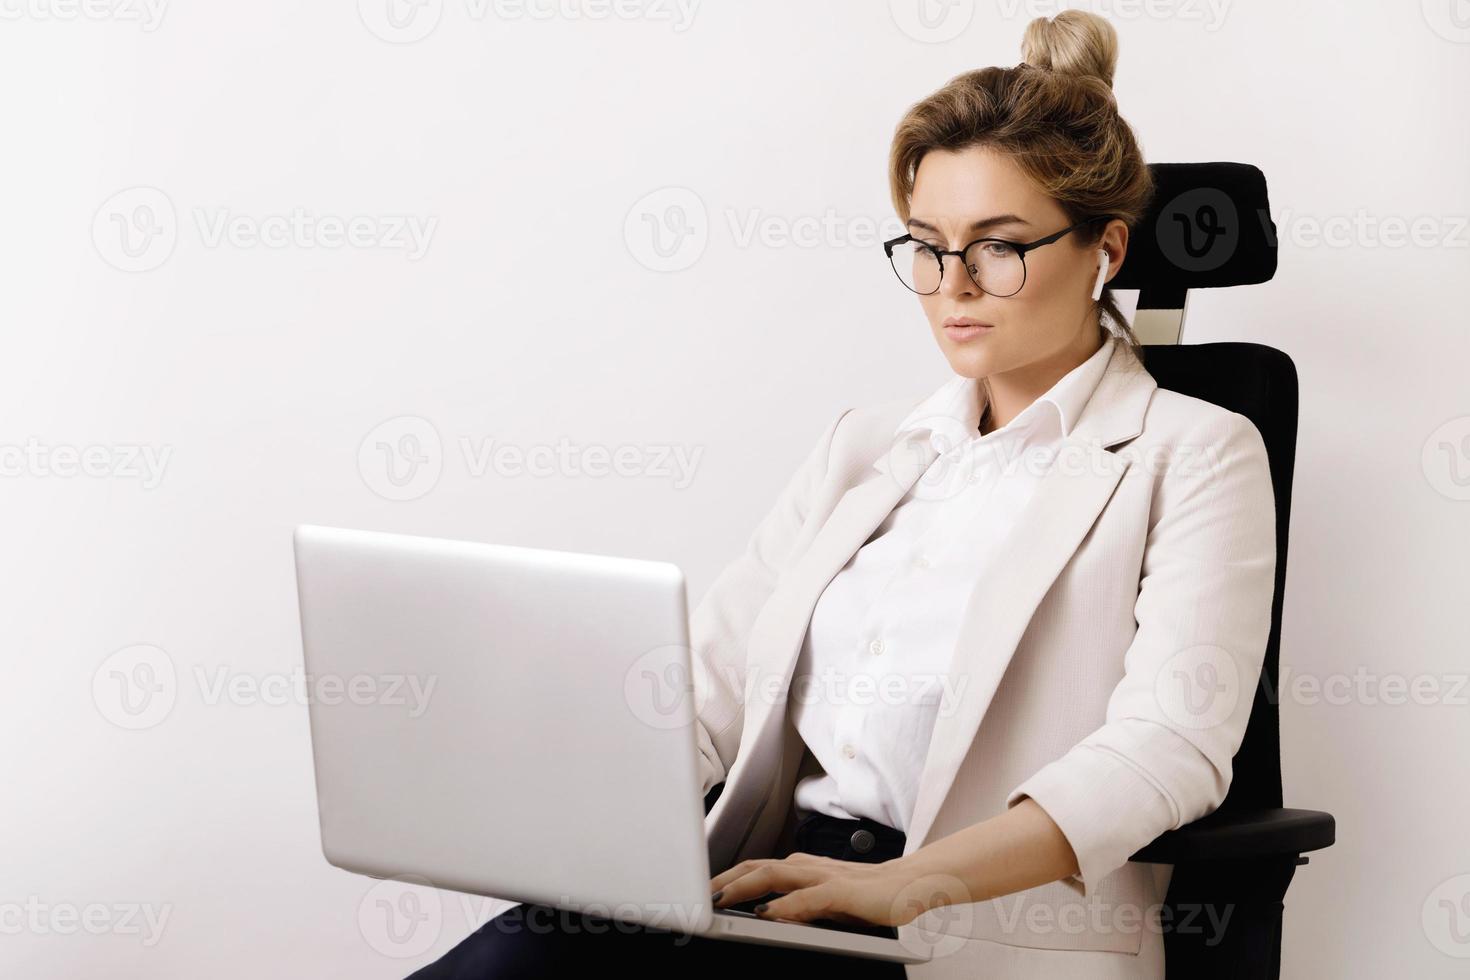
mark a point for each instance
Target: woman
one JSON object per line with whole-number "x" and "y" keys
{"x": 988, "y": 644}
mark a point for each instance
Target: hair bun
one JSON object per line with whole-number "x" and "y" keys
{"x": 1074, "y": 42}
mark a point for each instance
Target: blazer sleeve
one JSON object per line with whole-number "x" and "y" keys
{"x": 720, "y": 624}
{"x": 1162, "y": 758}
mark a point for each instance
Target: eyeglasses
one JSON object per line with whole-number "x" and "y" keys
{"x": 996, "y": 266}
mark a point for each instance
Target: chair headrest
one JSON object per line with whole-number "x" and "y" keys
{"x": 1209, "y": 225}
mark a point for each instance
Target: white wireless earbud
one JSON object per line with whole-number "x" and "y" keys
{"x": 1102, "y": 274}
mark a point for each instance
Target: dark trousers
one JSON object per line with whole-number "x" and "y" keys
{"x": 534, "y": 940}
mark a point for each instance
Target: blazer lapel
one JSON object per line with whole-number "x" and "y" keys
{"x": 776, "y": 639}
{"x": 783, "y": 624}
{"x": 1043, "y": 538}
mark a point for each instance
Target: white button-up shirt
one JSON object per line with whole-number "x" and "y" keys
{"x": 873, "y": 667}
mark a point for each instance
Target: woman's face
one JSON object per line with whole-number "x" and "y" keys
{"x": 1052, "y": 321}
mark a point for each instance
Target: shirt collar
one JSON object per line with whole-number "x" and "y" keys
{"x": 952, "y": 413}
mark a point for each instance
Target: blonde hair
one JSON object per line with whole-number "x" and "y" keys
{"x": 1055, "y": 116}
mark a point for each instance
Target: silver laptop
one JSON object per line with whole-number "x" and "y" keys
{"x": 504, "y": 721}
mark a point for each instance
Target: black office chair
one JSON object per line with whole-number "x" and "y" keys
{"x": 1210, "y": 226}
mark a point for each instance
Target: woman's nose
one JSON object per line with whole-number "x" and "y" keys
{"x": 956, "y": 280}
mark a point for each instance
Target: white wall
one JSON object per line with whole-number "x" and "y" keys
{"x": 535, "y": 315}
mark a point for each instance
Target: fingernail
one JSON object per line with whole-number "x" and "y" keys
{"x": 716, "y": 896}
{"x": 761, "y": 908}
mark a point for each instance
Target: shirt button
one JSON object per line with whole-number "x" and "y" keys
{"x": 921, "y": 562}
{"x": 849, "y": 752}
{"x": 876, "y": 647}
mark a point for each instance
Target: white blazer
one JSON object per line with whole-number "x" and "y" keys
{"x": 1108, "y": 661}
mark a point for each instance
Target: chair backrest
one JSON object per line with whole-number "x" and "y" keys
{"x": 1260, "y": 383}
{"x": 1209, "y": 226}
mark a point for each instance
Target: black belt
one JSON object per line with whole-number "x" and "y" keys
{"x": 848, "y": 839}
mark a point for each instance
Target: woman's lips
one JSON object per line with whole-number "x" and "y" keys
{"x": 962, "y": 330}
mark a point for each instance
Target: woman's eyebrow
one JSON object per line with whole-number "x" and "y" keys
{"x": 975, "y": 226}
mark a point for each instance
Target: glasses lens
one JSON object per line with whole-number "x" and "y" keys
{"x": 916, "y": 266}
{"x": 996, "y": 268}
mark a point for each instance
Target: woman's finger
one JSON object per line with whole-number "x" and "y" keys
{"x": 800, "y": 857}
{"x": 796, "y": 857}
{"x": 805, "y": 904}
{"x": 778, "y": 876}
{"x": 743, "y": 868}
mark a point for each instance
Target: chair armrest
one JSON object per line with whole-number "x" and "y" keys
{"x": 1243, "y": 834}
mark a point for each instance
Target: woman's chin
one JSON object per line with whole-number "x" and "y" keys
{"x": 969, "y": 363}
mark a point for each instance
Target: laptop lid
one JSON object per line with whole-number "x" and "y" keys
{"x": 506, "y": 721}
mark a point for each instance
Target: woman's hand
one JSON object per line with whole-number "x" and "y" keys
{"x": 887, "y": 893}
{"x": 1010, "y": 852}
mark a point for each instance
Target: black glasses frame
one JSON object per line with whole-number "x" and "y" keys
{"x": 1020, "y": 248}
